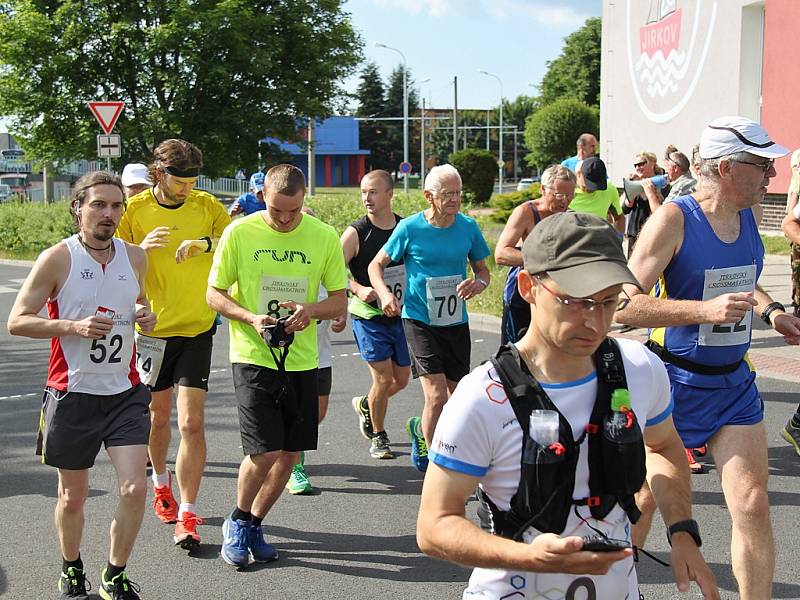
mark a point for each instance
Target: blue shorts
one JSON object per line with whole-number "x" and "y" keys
{"x": 700, "y": 412}
{"x": 378, "y": 340}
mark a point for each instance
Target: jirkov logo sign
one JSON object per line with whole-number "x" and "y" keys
{"x": 667, "y": 44}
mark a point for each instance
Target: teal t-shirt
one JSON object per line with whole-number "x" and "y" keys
{"x": 436, "y": 262}
{"x": 262, "y": 267}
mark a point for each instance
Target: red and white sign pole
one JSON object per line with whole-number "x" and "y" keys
{"x": 107, "y": 113}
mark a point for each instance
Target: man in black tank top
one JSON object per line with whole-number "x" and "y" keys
{"x": 380, "y": 339}
{"x": 558, "y": 189}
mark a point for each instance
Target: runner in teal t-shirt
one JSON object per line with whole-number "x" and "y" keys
{"x": 435, "y": 246}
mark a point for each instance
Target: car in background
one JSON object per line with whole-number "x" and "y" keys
{"x": 526, "y": 182}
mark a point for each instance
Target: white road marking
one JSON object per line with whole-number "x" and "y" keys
{"x": 4, "y": 289}
{"x": 17, "y": 280}
{"x": 478, "y": 341}
{"x": 15, "y": 396}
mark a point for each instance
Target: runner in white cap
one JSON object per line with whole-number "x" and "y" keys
{"x": 702, "y": 255}
{"x": 135, "y": 179}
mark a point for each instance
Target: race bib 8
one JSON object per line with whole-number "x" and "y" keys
{"x": 444, "y": 305}
{"x": 149, "y": 356}
{"x": 729, "y": 280}
{"x": 395, "y": 279}
{"x": 275, "y": 290}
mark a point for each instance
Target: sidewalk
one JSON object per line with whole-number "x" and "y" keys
{"x": 768, "y": 352}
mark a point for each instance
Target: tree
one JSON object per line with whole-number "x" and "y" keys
{"x": 219, "y": 73}
{"x": 372, "y": 103}
{"x": 394, "y": 108}
{"x": 551, "y": 132}
{"x": 576, "y": 72}
{"x": 478, "y": 169}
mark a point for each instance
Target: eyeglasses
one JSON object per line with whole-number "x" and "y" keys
{"x": 639, "y": 164}
{"x": 558, "y": 196}
{"x": 764, "y": 166}
{"x": 449, "y": 195}
{"x": 587, "y": 304}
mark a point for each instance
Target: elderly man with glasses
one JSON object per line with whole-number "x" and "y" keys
{"x": 558, "y": 190}
{"x": 435, "y": 245}
{"x": 702, "y": 255}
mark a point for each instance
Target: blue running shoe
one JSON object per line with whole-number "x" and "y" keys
{"x": 260, "y": 550}
{"x": 419, "y": 449}
{"x": 234, "y": 549}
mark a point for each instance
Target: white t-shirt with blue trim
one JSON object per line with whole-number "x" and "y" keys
{"x": 478, "y": 435}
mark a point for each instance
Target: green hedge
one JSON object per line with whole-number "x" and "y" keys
{"x": 27, "y": 228}
{"x": 506, "y": 203}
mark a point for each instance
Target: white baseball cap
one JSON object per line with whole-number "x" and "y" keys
{"x": 134, "y": 174}
{"x": 729, "y": 135}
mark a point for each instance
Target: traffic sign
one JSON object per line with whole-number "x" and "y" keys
{"x": 405, "y": 167}
{"x": 109, "y": 146}
{"x": 106, "y": 113}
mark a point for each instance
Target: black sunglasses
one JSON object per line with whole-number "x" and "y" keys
{"x": 640, "y": 164}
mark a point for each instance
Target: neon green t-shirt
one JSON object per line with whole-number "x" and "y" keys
{"x": 598, "y": 202}
{"x": 262, "y": 267}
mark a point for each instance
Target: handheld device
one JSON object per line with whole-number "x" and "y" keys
{"x": 102, "y": 311}
{"x": 600, "y": 543}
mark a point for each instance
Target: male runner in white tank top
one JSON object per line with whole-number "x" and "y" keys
{"x": 93, "y": 287}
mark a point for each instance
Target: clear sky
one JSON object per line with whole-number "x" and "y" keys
{"x": 444, "y": 38}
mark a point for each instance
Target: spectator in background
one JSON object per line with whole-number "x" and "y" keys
{"x": 791, "y": 229}
{"x": 586, "y": 148}
{"x": 134, "y": 179}
{"x": 680, "y": 176}
{"x": 645, "y": 166}
{"x": 594, "y": 195}
{"x": 252, "y": 201}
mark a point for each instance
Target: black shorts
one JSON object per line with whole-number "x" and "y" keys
{"x": 272, "y": 417}
{"x": 187, "y": 362}
{"x": 438, "y": 349}
{"x": 324, "y": 380}
{"x": 516, "y": 319}
{"x": 73, "y": 425}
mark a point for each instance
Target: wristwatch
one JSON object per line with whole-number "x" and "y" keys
{"x": 771, "y": 308}
{"x": 689, "y": 526}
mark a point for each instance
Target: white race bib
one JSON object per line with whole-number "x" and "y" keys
{"x": 275, "y": 290}
{"x": 149, "y": 356}
{"x": 444, "y": 304}
{"x": 109, "y": 354}
{"x": 395, "y": 278}
{"x": 727, "y": 281}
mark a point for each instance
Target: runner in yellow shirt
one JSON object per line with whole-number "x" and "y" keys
{"x": 178, "y": 226}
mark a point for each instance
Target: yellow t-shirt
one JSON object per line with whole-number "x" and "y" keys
{"x": 598, "y": 202}
{"x": 177, "y": 292}
{"x": 262, "y": 267}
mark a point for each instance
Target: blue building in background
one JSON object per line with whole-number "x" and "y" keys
{"x": 339, "y": 160}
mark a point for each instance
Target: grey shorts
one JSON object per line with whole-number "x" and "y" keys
{"x": 73, "y": 425}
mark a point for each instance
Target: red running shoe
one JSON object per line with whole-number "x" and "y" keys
{"x": 701, "y": 451}
{"x": 694, "y": 466}
{"x": 186, "y": 535}
{"x": 164, "y": 503}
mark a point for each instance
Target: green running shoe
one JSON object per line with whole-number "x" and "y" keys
{"x": 298, "y": 483}
{"x": 73, "y": 585}
{"x": 419, "y": 449}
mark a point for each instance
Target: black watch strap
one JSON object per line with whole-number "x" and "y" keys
{"x": 771, "y": 308}
{"x": 207, "y": 241}
{"x": 689, "y": 526}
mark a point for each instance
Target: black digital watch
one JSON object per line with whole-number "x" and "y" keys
{"x": 689, "y": 526}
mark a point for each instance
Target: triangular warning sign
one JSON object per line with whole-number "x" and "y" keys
{"x": 106, "y": 113}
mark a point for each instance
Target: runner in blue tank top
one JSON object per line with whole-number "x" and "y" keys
{"x": 702, "y": 256}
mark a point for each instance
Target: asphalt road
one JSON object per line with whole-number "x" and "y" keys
{"x": 352, "y": 539}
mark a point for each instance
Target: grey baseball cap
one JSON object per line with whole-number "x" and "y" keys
{"x": 581, "y": 252}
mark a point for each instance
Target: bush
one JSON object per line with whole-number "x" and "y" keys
{"x": 506, "y": 203}
{"x": 551, "y": 132}
{"x": 27, "y": 228}
{"x": 478, "y": 169}
{"x": 340, "y": 209}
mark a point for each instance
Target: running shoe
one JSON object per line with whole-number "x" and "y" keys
{"x": 361, "y": 408}
{"x": 260, "y": 550}
{"x": 694, "y": 466}
{"x": 234, "y": 549}
{"x": 379, "y": 448}
{"x": 119, "y": 588}
{"x": 73, "y": 585}
{"x": 792, "y": 435}
{"x": 701, "y": 451}
{"x": 419, "y": 449}
{"x": 186, "y": 535}
{"x": 298, "y": 483}
{"x": 164, "y": 503}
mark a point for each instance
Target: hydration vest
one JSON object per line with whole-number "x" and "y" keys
{"x": 547, "y": 475}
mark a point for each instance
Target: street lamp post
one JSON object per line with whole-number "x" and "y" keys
{"x": 422, "y": 137}
{"x": 405, "y": 110}
{"x": 500, "y": 164}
